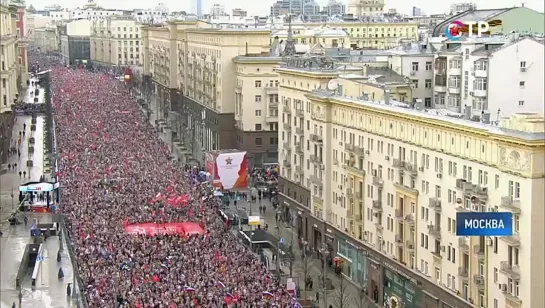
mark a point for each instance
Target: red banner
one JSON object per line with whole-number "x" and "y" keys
{"x": 152, "y": 229}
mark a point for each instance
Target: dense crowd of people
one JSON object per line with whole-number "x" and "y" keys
{"x": 112, "y": 165}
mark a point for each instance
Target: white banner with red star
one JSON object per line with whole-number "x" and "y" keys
{"x": 231, "y": 170}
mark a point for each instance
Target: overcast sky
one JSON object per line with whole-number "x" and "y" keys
{"x": 262, "y": 7}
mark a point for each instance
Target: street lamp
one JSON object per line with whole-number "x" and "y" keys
{"x": 325, "y": 253}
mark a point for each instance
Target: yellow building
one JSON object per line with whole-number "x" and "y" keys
{"x": 376, "y": 83}
{"x": 9, "y": 70}
{"x": 377, "y": 35}
{"x": 116, "y": 40}
{"x": 256, "y": 107}
{"x": 324, "y": 36}
{"x": 381, "y": 184}
{"x": 192, "y": 68}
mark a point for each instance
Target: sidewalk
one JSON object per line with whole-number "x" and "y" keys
{"x": 350, "y": 294}
{"x": 49, "y": 291}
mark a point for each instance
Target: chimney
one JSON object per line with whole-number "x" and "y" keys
{"x": 467, "y": 114}
{"x": 387, "y": 96}
{"x": 485, "y": 117}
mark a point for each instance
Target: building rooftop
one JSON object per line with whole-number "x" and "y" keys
{"x": 376, "y": 76}
{"x": 524, "y": 123}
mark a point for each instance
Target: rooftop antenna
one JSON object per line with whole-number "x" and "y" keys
{"x": 289, "y": 50}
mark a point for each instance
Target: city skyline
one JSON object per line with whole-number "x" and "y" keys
{"x": 257, "y": 8}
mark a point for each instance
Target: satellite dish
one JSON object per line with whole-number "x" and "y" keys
{"x": 332, "y": 85}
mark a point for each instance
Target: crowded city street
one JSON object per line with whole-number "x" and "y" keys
{"x": 113, "y": 168}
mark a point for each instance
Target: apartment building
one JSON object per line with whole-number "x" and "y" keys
{"x": 256, "y": 108}
{"x": 360, "y": 8}
{"x": 380, "y": 184}
{"x": 324, "y": 36}
{"x": 380, "y": 34}
{"x": 415, "y": 62}
{"x": 192, "y": 69}
{"x": 46, "y": 38}
{"x": 75, "y": 41}
{"x": 9, "y": 74}
{"x": 116, "y": 41}
{"x": 465, "y": 70}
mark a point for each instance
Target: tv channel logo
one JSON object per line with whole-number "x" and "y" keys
{"x": 456, "y": 29}
{"x": 484, "y": 224}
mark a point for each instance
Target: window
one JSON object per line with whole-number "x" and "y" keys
{"x": 415, "y": 83}
{"x": 521, "y": 103}
{"x": 522, "y": 64}
{"x": 258, "y": 141}
{"x": 428, "y": 66}
{"x": 514, "y": 189}
{"x": 480, "y": 84}
{"x": 258, "y": 113}
{"x": 258, "y": 83}
{"x": 427, "y": 102}
{"x": 414, "y": 66}
{"x": 258, "y": 98}
{"x": 427, "y": 83}
{"x": 522, "y": 84}
{"x": 258, "y": 127}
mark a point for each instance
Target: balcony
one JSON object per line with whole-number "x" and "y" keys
{"x": 316, "y": 180}
{"x": 480, "y": 73}
{"x": 379, "y": 227}
{"x": 316, "y": 138}
{"x": 463, "y": 272}
{"x": 299, "y": 170}
{"x": 349, "y": 147}
{"x": 378, "y": 181}
{"x": 510, "y": 270}
{"x": 299, "y": 131}
{"x": 377, "y": 206}
{"x": 411, "y": 168}
{"x": 409, "y": 219}
{"x": 287, "y": 127}
{"x": 440, "y": 88}
{"x": 353, "y": 169}
{"x": 398, "y": 163}
{"x": 399, "y": 240}
{"x": 513, "y": 240}
{"x": 350, "y": 214}
{"x": 286, "y": 146}
{"x": 435, "y": 204}
{"x": 437, "y": 257}
{"x": 271, "y": 118}
{"x": 478, "y": 280}
{"x": 463, "y": 244}
{"x": 478, "y": 251}
{"x": 454, "y": 90}
{"x": 461, "y": 208}
{"x": 315, "y": 159}
{"x": 410, "y": 245}
{"x": 480, "y": 93}
{"x": 286, "y": 164}
{"x": 271, "y": 90}
{"x": 509, "y": 203}
{"x": 349, "y": 192}
{"x": 434, "y": 231}
{"x": 286, "y": 109}
{"x": 299, "y": 112}
{"x": 299, "y": 149}
{"x": 359, "y": 218}
{"x": 359, "y": 195}
{"x": 399, "y": 213}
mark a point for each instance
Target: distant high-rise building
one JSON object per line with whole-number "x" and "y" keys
{"x": 334, "y": 8}
{"x": 196, "y": 7}
{"x": 239, "y": 13}
{"x": 365, "y": 8}
{"x": 417, "y": 11}
{"x": 295, "y": 7}
{"x": 457, "y": 8}
{"x": 217, "y": 10}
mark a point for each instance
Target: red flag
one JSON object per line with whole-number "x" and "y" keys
{"x": 155, "y": 278}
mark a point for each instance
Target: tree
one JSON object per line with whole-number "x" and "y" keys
{"x": 361, "y": 300}
{"x": 341, "y": 298}
{"x": 22, "y": 2}
{"x": 306, "y": 267}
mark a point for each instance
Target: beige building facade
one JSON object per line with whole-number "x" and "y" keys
{"x": 47, "y": 39}
{"x": 116, "y": 40}
{"x": 256, "y": 107}
{"x": 9, "y": 54}
{"x": 192, "y": 71}
{"x": 380, "y": 184}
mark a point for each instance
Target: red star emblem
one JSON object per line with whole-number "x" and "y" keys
{"x": 228, "y": 161}
{"x": 454, "y": 30}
